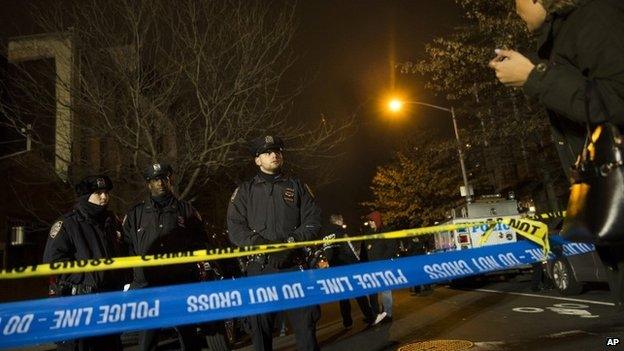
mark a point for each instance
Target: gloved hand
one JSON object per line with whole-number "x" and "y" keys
{"x": 256, "y": 239}
{"x": 281, "y": 259}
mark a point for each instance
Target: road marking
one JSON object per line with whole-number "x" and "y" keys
{"x": 548, "y": 297}
{"x": 573, "y": 312}
{"x": 571, "y": 309}
{"x": 565, "y": 334}
{"x": 528, "y": 309}
{"x": 570, "y": 305}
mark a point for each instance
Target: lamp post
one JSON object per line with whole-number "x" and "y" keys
{"x": 396, "y": 105}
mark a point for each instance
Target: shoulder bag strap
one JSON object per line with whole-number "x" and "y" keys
{"x": 584, "y": 153}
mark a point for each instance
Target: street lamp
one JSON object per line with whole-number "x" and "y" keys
{"x": 395, "y": 105}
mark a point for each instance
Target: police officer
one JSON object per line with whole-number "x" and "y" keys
{"x": 89, "y": 231}
{"x": 164, "y": 224}
{"x": 275, "y": 208}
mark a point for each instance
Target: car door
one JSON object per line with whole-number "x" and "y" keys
{"x": 600, "y": 271}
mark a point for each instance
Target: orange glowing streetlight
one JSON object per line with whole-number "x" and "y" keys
{"x": 395, "y": 105}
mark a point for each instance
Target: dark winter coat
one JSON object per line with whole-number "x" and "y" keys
{"x": 342, "y": 253}
{"x": 264, "y": 212}
{"x": 580, "y": 43}
{"x": 79, "y": 237}
{"x": 150, "y": 230}
{"x": 380, "y": 249}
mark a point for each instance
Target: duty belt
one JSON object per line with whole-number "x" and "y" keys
{"x": 69, "y": 289}
{"x": 299, "y": 261}
{"x": 261, "y": 259}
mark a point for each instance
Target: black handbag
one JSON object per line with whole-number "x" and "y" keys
{"x": 595, "y": 210}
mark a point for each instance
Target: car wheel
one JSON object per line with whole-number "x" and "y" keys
{"x": 563, "y": 278}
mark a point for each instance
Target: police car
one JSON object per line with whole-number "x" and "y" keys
{"x": 487, "y": 208}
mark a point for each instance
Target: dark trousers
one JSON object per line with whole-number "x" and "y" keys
{"x": 96, "y": 343}
{"x": 345, "y": 310}
{"x": 612, "y": 257}
{"x": 148, "y": 339}
{"x": 302, "y": 320}
{"x": 537, "y": 278}
{"x": 374, "y": 303}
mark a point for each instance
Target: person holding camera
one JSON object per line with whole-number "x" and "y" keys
{"x": 580, "y": 45}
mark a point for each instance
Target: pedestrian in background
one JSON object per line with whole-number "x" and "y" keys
{"x": 375, "y": 250}
{"x": 412, "y": 246}
{"x": 89, "y": 231}
{"x": 343, "y": 254}
{"x": 272, "y": 208}
{"x": 579, "y": 41}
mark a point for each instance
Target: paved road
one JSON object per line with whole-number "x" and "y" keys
{"x": 498, "y": 316}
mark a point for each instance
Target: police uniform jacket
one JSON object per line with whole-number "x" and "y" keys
{"x": 262, "y": 212}
{"x": 174, "y": 228}
{"x": 79, "y": 237}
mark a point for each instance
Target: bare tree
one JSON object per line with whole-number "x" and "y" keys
{"x": 184, "y": 81}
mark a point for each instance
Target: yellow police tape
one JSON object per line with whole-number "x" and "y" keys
{"x": 528, "y": 228}
{"x": 549, "y": 215}
{"x": 537, "y": 216}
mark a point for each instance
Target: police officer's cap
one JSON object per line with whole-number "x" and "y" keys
{"x": 157, "y": 170}
{"x": 93, "y": 183}
{"x": 265, "y": 143}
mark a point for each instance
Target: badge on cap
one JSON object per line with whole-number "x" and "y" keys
{"x": 156, "y": 167}
{"x": 56, "y": 228}
{"x": 101, "y": 183}
{"x": 268, "y": 139}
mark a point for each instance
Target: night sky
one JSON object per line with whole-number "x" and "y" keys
{"x": 348, "y": 48}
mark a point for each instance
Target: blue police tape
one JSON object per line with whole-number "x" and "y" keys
{"x": 563, "y": 247}
{"x": 54, "y": 319}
